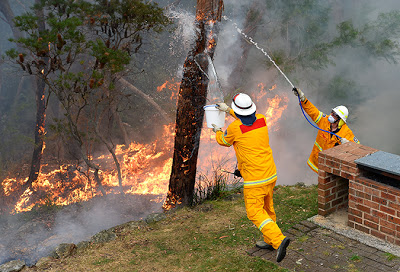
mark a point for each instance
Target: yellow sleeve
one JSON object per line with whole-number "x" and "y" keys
{"x": 232, "y": 113}
{"x": 224, "y": 138}
{"x": 312, "y": 111}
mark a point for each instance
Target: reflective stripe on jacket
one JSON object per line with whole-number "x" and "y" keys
{"x": 324, "y": 140}
{"x": 253, "y": 153}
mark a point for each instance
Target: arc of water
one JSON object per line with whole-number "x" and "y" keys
{"x": 259, "y": 48}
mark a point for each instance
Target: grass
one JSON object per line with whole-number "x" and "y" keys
{"x": 190, "y": 239}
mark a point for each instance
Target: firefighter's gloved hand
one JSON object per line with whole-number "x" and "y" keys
{"x": 223, "y": 107}
{"x": 344, "y": 140}
{"x": 299, "y": 93}
{"x": 237, "y": 173}
{"x": 215, "y": 129}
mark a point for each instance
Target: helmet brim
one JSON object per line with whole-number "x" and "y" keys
{"x": 244, "y": 112}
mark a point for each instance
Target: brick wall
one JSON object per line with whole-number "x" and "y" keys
{"x": 373, "y": 207}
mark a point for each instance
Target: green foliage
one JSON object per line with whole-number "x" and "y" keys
{"x": 79, "y": 48}
{"x": 390, "y": 256}
{"x": 355, "y": 258}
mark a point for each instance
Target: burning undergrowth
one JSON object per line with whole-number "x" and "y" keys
{"x": 65, "y": 204}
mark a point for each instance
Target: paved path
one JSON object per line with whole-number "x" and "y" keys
{"x": 318, "y": 249}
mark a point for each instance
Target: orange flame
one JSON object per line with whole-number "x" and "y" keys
{"x": 145, "y": 168}
{"x": 171, "y": 86}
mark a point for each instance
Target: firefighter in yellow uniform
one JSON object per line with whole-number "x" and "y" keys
{"x": 249, "y": 136}
{"x": 335, "y": 123}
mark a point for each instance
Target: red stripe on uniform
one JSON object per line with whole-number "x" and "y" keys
{"x": 259, "y": 123}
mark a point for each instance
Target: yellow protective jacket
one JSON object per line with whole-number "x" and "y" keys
{"x": 253, "y": 153}
{"x": 324, "y": 140}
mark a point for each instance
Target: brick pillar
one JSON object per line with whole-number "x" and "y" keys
{"x": 336, "y": 169}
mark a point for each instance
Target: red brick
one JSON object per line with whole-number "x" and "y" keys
{"x": 350, "y": 224}
{"x": 371, "y": 225}
{"x": 372, "y": 191}
{"x": 388, "y": 196}
{"x": 388, "y": 210}
{"x": 342, "y": 193}
{"x": 395, "y": 206}
{"x": 349, "y": 169}
{"x": 362, "y": 228}
{"x": 355, "y": 212}
{"x": 326, "y": 186}
{"x": 348, "y": 176}
{"x": 369, "y": 149}
{"x": 333, "y": 164}
{"x": 379, "y": 200}
{"x": 356, "y": 186}
{"x": 378, "y": 234}
{"x": 371, "y": 204}
{"x": 324, "y": 206}
{"x": 324, "y": 180}
{"x": 387, "y": 231}
{"x": 363, "y": 208}
{"x": 395, "y": 220}
{"x": 397, "y": 242}
{"x": 371, "y": 218}
{"x": 322, "y": 174}
{"x": 379, "y": 214}
{"x": 355, "y": 219}
{"x": 325, "y": 168}
{"x": 355, "y": 199}
{"x": 330, "y": 198}
{"x": 359, "y": 152}
{"x": 337, "y": 201}
{"x": 336, "y": 172}
{"x": 388, "y": 225}
{"x": 390, "y": 239}
{"x": 323, "y": 193}
{"x": 349, "y": 164}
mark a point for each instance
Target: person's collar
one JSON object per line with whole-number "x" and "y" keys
{"x": 247, "y": 120}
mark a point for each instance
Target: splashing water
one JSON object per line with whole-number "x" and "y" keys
{"x": 185, "y": 31}
{"x": 258, "y": 47}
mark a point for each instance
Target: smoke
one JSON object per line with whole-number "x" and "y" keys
{"x": 23, "y": 238}
{"x": 366, "y": 84}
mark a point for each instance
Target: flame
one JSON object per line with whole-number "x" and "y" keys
{"x": 276, "y": 105}
{"x": 145, "y": 168}
{"x": 171, "y": 86}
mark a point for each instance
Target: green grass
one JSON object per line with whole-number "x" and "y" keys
{"x": 190, "y": 239}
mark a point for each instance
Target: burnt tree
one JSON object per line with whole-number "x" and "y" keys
{"x": 191, "y": 99}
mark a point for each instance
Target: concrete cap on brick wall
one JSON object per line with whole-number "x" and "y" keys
{"x": 381, "y": 161}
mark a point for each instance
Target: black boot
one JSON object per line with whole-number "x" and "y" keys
{"x": 282, "y": 250}
{"x": 264, "y": 245}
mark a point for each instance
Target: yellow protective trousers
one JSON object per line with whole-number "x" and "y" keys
{"x": 260, "y": 210}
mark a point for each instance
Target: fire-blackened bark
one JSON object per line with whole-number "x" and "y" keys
{"x": 190, "y": 113}
{"x": 40, "y": 121}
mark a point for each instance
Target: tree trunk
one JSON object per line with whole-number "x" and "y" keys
{"x": 253, "y": 18}
{"x": 40, "y": 119}
{"x": 40, "y": 124}
{"x": 190, "y": 113}
{"x": 9, "y": 15}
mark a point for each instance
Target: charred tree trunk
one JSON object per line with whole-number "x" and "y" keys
{"x": 40, "y": 122}
{"x": 190, "y": 113}
{"x": 253, "y": 18}
{"x": 39, "y": 132}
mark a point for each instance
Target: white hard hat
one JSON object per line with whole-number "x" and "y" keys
{"x": 342, "y": 111}
{"x": 243, "y": 105}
